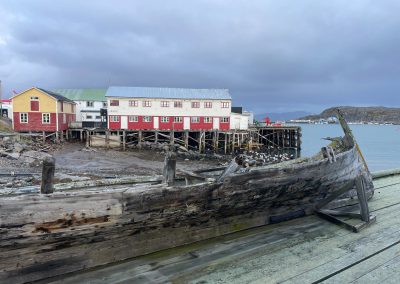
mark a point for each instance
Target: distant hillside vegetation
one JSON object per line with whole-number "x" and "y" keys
{"x": 361, "y": 114}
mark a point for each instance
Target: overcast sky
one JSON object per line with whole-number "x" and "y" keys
{"x": 273, "y": 56}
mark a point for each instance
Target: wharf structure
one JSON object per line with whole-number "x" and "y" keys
{"x": 198, "y": 119}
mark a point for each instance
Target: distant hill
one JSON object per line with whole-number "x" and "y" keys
{"x": 361, "y": 114}
{"x": 274, "y": 116}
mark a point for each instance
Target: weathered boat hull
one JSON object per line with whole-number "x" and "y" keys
{"x": 47, "y": 235}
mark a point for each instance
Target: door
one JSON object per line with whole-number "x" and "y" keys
{"x": 124, "y": 122}
{"x": 216, "y": 123}
{"x": 156, "y": 124}
{"x": 237, "y": 122}
{"x": 186, "y": 123}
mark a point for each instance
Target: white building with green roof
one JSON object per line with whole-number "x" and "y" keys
{"x": 88, "y": 103}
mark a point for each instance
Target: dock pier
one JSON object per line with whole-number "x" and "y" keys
{"x": 202, "y": 141}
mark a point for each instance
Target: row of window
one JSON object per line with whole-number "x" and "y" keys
{"x": 23, "y": 118}
{"x": 91, "y": 104}
{"x": 194, "y": 119}
{"x": 177, "y": 104}
{"x": 91, "y": 117}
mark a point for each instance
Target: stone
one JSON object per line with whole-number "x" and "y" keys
{"x": 13, "y": 156}
{"x": 18, "y": 148}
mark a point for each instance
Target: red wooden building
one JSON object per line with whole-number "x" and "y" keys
{"x": 138, "y": 108}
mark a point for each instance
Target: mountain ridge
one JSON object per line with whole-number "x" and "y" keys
{"x": 378, "y": 114}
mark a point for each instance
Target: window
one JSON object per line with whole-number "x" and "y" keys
{"x": 178, "y": 104}
{"x": 45, "y": 118}
{"x": 164, "y": 119}
{"x": 104, "y": 104}
{"x": 146, "y": 118}
{"x": 207, "y": 104}
{"x": 224, "y": 104}
{"x": 224, "y": 119}
{"x": 98, "y": 117}
{"x": 207, "y": 119}
{"x": 34, "y": 104}
{"x": 114, "y": 118}
{"x": 146, "y": 103}
{"x": 62, "y": 106}
{"x": 114, "y": 103}
{"x": 164, "y": 103}
{"x": 195, "y": 104}
{"x": 89, "y": 104}
{"x": 133, "y": 118}
{"x": 195, "y": 119}
{"x": 178, "y": 119}
{"x": 133, "y": 103}
{"x": 23, "y": 117}
{"x": 64, "y": 118}
{"x": 89, "y": 117}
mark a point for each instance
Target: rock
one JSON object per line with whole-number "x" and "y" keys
{"x": 13, "y": 156}
{"x": 18, "y": 148}
{"x": 6, "y": 138}
{"x": 31, "y": 157}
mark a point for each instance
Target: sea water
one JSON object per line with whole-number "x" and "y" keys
{"x": 380, "y": 144}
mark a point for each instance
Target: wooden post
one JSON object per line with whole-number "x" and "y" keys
{"x": 140, "y": 139}
{"x": 186, "y": 139}
{"x": 226, "y": 142}
{"x": 87, "y": 138}
{"x": 57, "y": 137}
{"x": 123, "y": 140}
{"x": 49, "y": 165}
{"x": 107, "y": 139}
{"x": 362, "y": 199}
{"x": 44, "y": 137}
{"x": 67, "y": 134}
{"x": 156, "y": 136}
{"x": 199, "y": 142}
{"x": 81, "y": 135}
{"x": 169, "y": 168}
{"x": 171, "y": 137}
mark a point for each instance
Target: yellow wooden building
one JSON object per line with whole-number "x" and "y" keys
{"x": 37, "y": 109}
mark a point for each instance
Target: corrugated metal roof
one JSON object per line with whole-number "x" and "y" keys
{"x": 168, "y": 93}
{"x": 83, "y": 94}
{"x": 56, "y": 95}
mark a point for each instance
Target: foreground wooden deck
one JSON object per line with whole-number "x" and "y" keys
{"x": 305, "y": 250}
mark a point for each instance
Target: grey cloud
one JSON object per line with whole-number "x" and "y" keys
{"x": 272, "y": 55}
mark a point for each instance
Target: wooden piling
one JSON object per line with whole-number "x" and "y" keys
{"x": 87, "y": 138}
{"x": 107, "y": 139}
{"x": 186, "y": 138}
{"x": 123, "y": 140}
{"x": 48, "y": 170}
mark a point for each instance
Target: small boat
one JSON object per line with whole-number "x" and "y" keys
{"x": 45, "y": 235}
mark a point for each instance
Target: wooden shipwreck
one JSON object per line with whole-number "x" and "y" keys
{"x": 44, "y": 235}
